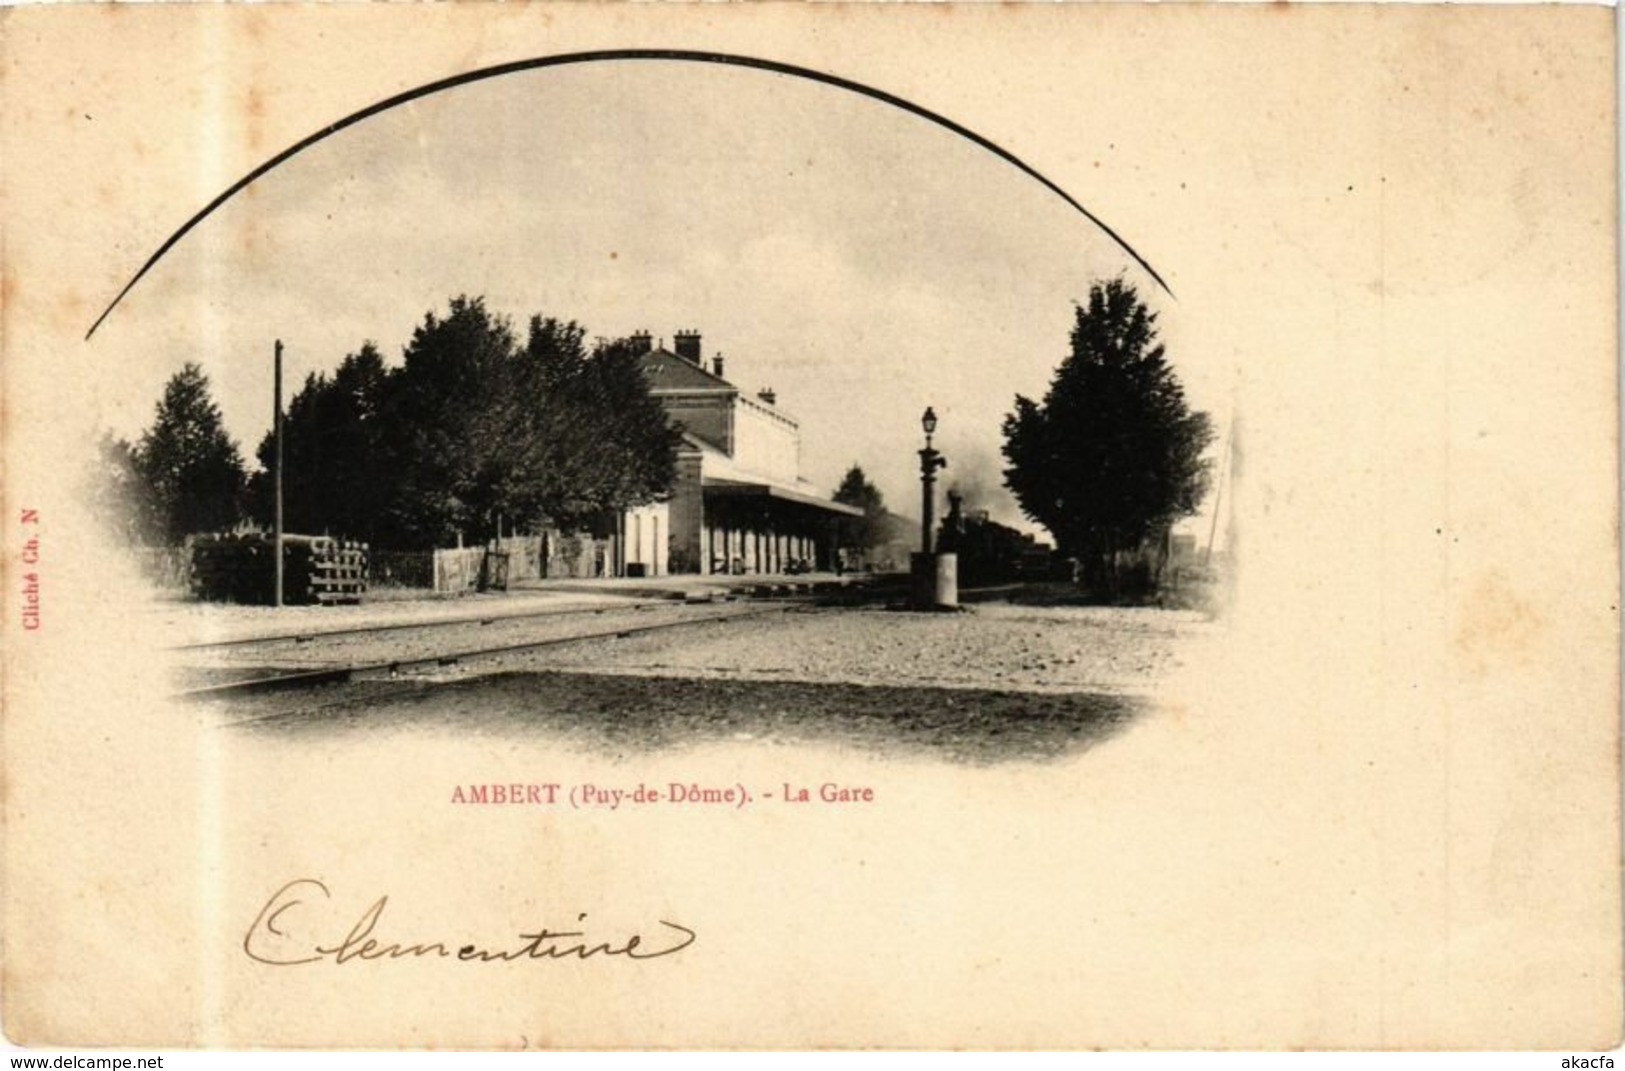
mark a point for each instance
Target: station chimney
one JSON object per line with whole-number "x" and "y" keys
{"x": 686, "y": 344}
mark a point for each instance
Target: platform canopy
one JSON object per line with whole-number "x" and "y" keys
{"x": 744, "y": 492}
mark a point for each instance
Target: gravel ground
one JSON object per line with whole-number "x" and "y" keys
{"x": 1030, "y": 649}
{"x": 622, "y": 717}
{"x": 1000, "y": 683}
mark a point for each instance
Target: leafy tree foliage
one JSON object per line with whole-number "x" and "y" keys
{"x": 443, "y": 427}
{"x": 472, "y": 431}
{"x": 116, "y": 493}
{"x": 628, "y": 449}
{"x": 335, "y": 476}
{"x": 868, "y": 531}
{"x": 581, "y": 434}
{"x": 191, "y": 474}
{"x": 1113, "y": 454}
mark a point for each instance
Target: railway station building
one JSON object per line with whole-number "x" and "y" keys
{"x": 739, "y": 504}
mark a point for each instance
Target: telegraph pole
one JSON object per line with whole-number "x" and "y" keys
{"x": 276, "y": 478}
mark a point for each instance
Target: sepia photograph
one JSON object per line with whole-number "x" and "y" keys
{"x": 943, "y": 491}
{"x": 830, "y": 527}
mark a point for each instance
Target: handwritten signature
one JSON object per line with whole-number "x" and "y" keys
{"x": 277, "y": 938}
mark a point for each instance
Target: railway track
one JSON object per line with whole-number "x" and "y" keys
{"x": 313, "y": 635}
{"x": 429, "y": 653}
{"x": 757, "y": 592}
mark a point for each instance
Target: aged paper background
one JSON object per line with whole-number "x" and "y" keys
{"x": 1383, "y": 812}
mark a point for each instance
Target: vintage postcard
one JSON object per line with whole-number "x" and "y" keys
{"x": 810, "y": 526}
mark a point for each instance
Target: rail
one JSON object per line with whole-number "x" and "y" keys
{"x": 394, "y": 667}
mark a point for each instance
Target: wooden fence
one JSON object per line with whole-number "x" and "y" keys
{"x": 449, "y": 571}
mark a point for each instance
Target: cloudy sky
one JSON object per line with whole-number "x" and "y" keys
{"x": 862, "y": 261}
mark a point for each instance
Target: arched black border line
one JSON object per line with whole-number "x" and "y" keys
{"x": 681, "y": 55}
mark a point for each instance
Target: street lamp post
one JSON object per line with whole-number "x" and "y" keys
{"x": 936, "y": 576}
{"x": 930, "y": 461}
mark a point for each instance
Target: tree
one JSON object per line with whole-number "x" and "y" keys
{"x": 443, "y": 437}
{"x": 584, "y": 436}
{"x": 191, "y": 472}
{"x": 630, "y": 442}
{"x": 334, "y": 477}
{"x": 471, "y": 434}
{"x": 869, "y": 531}
{"x": 116, "y": 494}
{"x": 1113, "y": 454}
{"x": 476, "y": 432}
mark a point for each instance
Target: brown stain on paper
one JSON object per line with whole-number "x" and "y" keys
{"x": 253, "y": 109}
{"x": 69, "y": 309}
{"x": 1496, "y": 627}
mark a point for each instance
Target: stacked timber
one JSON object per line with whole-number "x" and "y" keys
{"x": 324, "y": 570}
{"x": 242, "y": 568}
{"x": 232, "y": 568}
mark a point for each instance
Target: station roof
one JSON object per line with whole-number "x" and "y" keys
{"x": 740, "y": 489}
{"x": 668, "y": 372}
